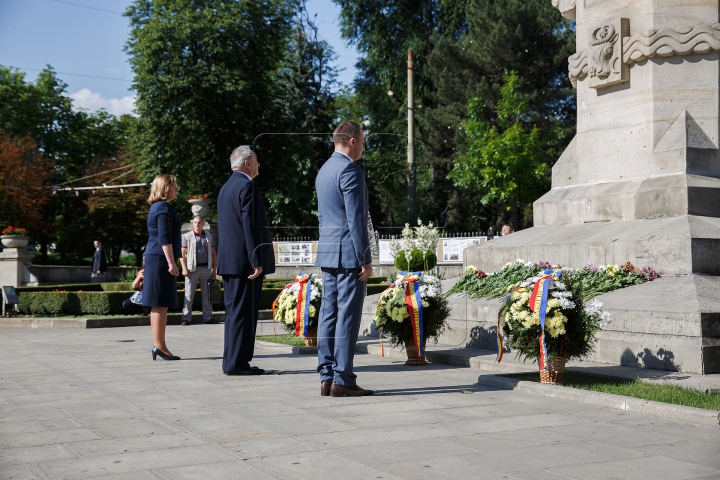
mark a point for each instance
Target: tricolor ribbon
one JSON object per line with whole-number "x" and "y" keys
{"x": 302, "y": 316}
{"x": 538, "y": 304}
{"x": 414, "y": 305}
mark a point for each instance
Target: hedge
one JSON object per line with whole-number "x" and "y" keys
{"x": 85, "y": 287}
{"x": 71, "y": 303}
{"x": 74, "y": 287}
{"x": 44, "y": 303}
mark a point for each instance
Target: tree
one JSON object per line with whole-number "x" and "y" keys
{"x": 23, "y": 190}
{"x": 69, "y": 140}
{"x": 305, "y": 82}
{"x": 204, "y": 81}
{"x": 505, "y": 159}
{"x": 463, "y": 50}
{"x": 118, "y": 217}
{"x": 383, "y": 31}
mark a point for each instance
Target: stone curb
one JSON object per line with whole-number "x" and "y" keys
{"x": 629, "y": 404}
{"x": 447, "y": 358}
{"x": 106, "y": 322}
{"x": 279, "y": 347}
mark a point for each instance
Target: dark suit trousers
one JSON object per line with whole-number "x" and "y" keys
{"x": 339, "y": 324}
{"x": 242, "y": 300}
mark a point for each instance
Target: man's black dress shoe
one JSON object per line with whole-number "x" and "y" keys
{"x": 210, "y": 322}
{"x": 185, "y": 323}
{"x": 249, "y": 371}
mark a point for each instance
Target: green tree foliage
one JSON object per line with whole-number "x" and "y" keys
{"x": 305, "y": 82}
{"x": 505, "y": 159}
{"x": 211, "y": 76}
{"x": 70, "y": 141}
{"x": 462, "y": 50}
{"x": 203, "y": 77}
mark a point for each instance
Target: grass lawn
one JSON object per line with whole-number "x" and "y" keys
{"x": 286, "y": 339}
{"x": 665, "y": 393}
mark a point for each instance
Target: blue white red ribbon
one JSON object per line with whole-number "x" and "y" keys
{"x": 302, "y": 316}
{"x": 414, "y": 306}
{"x": 538, "y": 304}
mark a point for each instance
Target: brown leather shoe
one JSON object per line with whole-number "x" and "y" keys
{"x": 342, "y": 391}
{"x": 325, "y": 388}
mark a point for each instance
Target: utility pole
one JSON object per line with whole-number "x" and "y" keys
{"x": 412, "y": 207}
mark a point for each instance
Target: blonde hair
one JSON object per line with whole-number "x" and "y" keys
{"x": 161, "y": 187}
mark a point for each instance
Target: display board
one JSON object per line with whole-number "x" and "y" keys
{"x": 450, "y": 250}
{"x": 295, "y": 253}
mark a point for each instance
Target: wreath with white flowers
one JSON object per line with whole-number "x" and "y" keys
{"x": 286, "y": 305}
{"x": 392, "y": 316}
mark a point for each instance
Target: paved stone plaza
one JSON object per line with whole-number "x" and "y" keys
{"x": 92, "y": 404}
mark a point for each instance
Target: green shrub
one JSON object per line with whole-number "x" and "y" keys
{"x": 128, "y": 261}
{"x": 417, "y": 264}
{"x": 268, "y": 295}
{"x": 71, "y": 303}
{"x": 117, "y": 287}
{"x": 377, "y": 288}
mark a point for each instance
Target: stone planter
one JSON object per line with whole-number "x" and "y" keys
{"x": 200, "y": 206}
{"x": 14, "y": 241}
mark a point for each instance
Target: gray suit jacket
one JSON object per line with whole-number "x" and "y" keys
{"x": 343, "y": 214}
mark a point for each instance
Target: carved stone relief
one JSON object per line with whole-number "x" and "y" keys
{"x": 605, "y": 53}
{"x": 566, "y": 7}
{"x": 666, "y": 42}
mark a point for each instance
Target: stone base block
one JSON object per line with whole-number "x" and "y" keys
{"x": 673, "y": 246}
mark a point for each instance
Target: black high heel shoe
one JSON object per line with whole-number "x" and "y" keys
{"x": 156, "y": 351}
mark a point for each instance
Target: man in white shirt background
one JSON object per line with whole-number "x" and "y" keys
{"x": 198, "y": 265}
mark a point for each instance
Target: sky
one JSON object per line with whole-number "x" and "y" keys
{"x": 88, "y": 43}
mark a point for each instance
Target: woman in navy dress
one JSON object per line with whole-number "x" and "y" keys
{"x": 163, "y": 248}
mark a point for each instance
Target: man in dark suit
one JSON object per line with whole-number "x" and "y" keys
{"x": 99, "y": 266}
{"x": 345, "y": 259}
{"x": 244, "y": 256}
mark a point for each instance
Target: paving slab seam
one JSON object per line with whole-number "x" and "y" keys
{"x": 698, "y": 416}
{"x": 71, "y": 449}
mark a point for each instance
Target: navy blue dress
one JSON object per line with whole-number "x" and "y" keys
{"x": 160, "y": 287}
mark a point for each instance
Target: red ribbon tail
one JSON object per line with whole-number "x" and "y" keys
{"x": 382, "y": 347}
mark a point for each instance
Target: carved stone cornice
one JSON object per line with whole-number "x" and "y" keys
{"x": 578, "y": 66}
{"x": 566, "y": 7}
{"x": 666, "y": 42}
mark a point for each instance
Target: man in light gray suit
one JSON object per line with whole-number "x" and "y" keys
{"x": 345, "y": 259}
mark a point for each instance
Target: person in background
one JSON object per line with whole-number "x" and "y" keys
{"x": 99, "y": 266}
{"x": 506, "y": 229}
{"x": 198, "y": 265}
{"x": 161, "y": 271}
{"x": 134, "y": 303}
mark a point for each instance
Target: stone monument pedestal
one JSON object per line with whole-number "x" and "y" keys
{"x": 640, "y": 182}
{"x": 14, "y": 264}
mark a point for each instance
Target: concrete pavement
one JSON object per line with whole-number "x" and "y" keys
{"x": 92, "y": 404}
